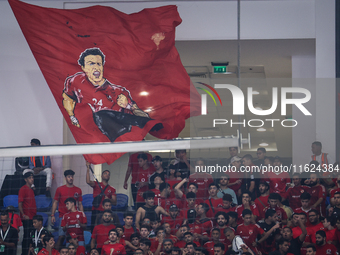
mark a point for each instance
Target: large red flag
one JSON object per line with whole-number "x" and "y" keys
{"x": 114, "y": 76}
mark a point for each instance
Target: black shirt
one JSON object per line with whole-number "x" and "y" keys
{"x": 35, "y": 235}
{"x": 269, "y": 244}
{"x": 182, "y": 168}
{"x": 295, "y": 246}
{"x": 11, "y": 237}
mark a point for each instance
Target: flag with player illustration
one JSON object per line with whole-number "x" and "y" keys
{"x": 115, "y": 76}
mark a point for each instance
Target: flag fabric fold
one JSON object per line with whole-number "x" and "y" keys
{"x": 115, "y": 76}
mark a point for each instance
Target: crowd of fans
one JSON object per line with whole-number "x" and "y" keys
{"x": 183, "y": 210}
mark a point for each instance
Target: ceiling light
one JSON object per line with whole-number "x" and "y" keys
{"x": 256, "y": 92}
{"x": 144, "y": 93}
{"x": 263, "y": 144}
{"x": 261, "y": 129}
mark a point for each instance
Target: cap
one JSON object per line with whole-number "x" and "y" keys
{"x": 28, "y": 174}
{"x": 156, "y": 158}
{"x": 173, "y": 208}
{"x": 73, "y": 235}
{"x": 68, "y": 172}
{"x": 235, "y": 158}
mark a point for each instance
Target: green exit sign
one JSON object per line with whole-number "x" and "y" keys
{"x": 220, "y": 69}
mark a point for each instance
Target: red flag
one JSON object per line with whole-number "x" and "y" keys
{"x": 114, "y": 76}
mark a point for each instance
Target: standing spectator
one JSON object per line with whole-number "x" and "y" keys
{"x": 37, "y": 234}
{"x": 202, "y": 179}
{"x": 295, "y": 243}
{"x": 109, "y": 192}
{"x": 235, "y": 180}
{"x": 132, "y": 170}
{"x": 27, "y": 208}
{"x": 213, "y": 202}
{"x": 294, "y": 192}
{"x": 261, "y": 154}
{"x": 278, "y": 179}
{"x": 74, "y": 221}
{"x": 145, "y": 170}
{"x": 61, "y": 194}
{"x": 262, "y": 201}
{"x": 9, "y": 236}
{"x": 323, "y": 158}
{"x": 223, "y": 190}
{"x": 251, "y": 180}
{"x": 101, "y": 231}
{"x": 181, "y": 163}
{"x": 40, "y": 166}
{"x": 318, "y": 193}
{"x": 322, "y": 247}
{"x": 160, "y": 171}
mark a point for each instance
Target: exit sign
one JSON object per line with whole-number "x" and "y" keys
{"x": 220, "y": 69}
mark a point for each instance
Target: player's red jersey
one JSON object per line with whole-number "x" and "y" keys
{"x": 113, "y": 249}
{"x": 293, "y": 195}
{"x": 311, "y": 231}
{"x": 281, "y": 213}
{"x": 203, "y": 180}
{"x": 239, "y": 209}
{"x": 296, "y": 232}
{"x": 133, "y": 163}
{"x": 101, "y": 234}
{"x": 64, "y": 192}
{"x": 249, "y": 234}
{"x": 143, "y": 176}
{"x": 331, "y": 235}
{"x": 316, "y": 193}
{"x": 175, "y": 224}
{"x": 327, "y": 249}
{"x": 27, "y": 198}
{"x": 109, "y": 192}
{"x": 72, "y": 219}
{"x": 261, "y": 202}
{"x": 226, "y": 210}
{"x": 206, "y": 225}
{"x": 214, "y": 204}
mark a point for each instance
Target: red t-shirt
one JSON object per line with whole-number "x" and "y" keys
{"x": 172, "y": 182}
{"x": 278, "y": 182}
{"x": 71, "y": 219}
{"x": 316, "y": 193}
{"x": 216, "y": 203}
{"x": 128, "y": 232}
{"x": 203, "y": 180}
{"x": 311, "y": 232}
{"x": 113, "y": 249}
{"x": 64, "y": 192}
{"x": 166, "y": 202}
{"x": 209, "y": 246}
{"x": 327, "y": 249}
{"x": 330, "y": 235}
{"x": 293, "y": 195}
{"x": 333, "y": 192}
{"x": 109, "y": 192}
{"x": 157, "y": 196}
{"x": 81, "y": 250}
{"x": 16, "y": 220}
{"x": 133, "y": 163}
{"x": 221, "y": 209}
{"x": 239, "y": 209}
{"x": 143, "y": 176}
{"x": 27, "y": 198}
{"x": 101, "y": 234}
{"x": 259, "y": 205}
{"x": 175, "y": 224}
{"x": 249, "y": 234}
{"x": 43, "y": 251}
{"x": 206, "y": 225}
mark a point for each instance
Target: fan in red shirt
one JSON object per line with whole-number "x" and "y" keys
{"x": 100, "y": 232}
{"x": 132, "y": 170}
{"x": 49, "y": 243}
{"x": 74, "y": 221}
{"x": 27, "y": 208}
{"x": 14, "y": 219}
{"x": 157, "y": 181}
{"x": 262, "y": 201}
{"x": 273, "y": 200}
{"x": 294, "y": 192}
{"x": 213, "y": 202}
{"x": 195, "y": 226}
{"x": 145, "y": 170}
{"x": 167, "y": 230}
{"x": 318, "y": 193}
{"x": 215, "y": 238}
{"x": 202, "y": 179}
{"x": 322, "y": 247}
{"x": 129, "y": 229}
{"x": 72, "y": 239}
{"x": 248, "y": 231}
{"x": 315, "y": 225}
{"x": 165, "y": 200}
{"x": 222, "y": 219}
{"x": 175, "y": 219}
{"x": 278, "y": 179}
{"x": 227, "y": 204}
{"x": 206, "y": 223}
{"x": 246, "y": 199}
{"x": 113, "y": 247}
{"x": 305, "y": 205}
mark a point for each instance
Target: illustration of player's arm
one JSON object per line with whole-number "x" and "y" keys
{"x": 69, "y": 105}
{"x": 123, "y": 102}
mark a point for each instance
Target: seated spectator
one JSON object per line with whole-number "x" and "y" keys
{"x": 222, "y": 219}
{"x": 36, "y": 234}
{"x": 228, "y": 205}
{"x": 189, "y": 248}
{"x": 322, "y": 247}
{"x": 181, "y": 163}
{"x": 145, "y": 245}
{"x": 202, "y": 179}
{"x": 175, "y": 219}
{"x": 48, "y": 243}
{"x": 106, "y": 205}
{"x": 335, "y": 210}
{"x": 330, "y": 230}
{"x": 273, "y": 201}
{"x": 14, "y": 219}
{"x": 129, "y": 227}
{"x": 232, "y": 222}
{"x": 283, "y": 248}
{"x": 335, "y": 189}
{"x": 113, "y": 247}
{"x": 40, "y": 165}
{"x": 72, "y": 238}
{"x": 315, "y": 225}
{"x": 294, "y": 192}
{"x": 246, "y": 204}
{"x": 144, "y": 231}
{"x": 128, "y": 246}
{"x": 305, "y": 208}
{"x": 278, "y": 179}
{"x": 168, "y": 235}
{"x": 63, "y": 251}
{"x": 223, "y": 188}
{"x": 214, "y": 239}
